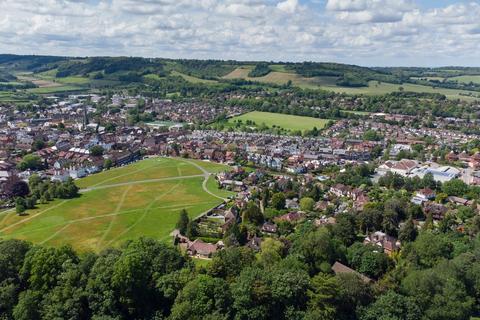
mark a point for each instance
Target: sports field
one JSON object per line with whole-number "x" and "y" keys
{"x": 142, "y": 199}
{"x": 286, "y": 121}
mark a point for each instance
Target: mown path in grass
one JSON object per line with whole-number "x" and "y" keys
{"x": 112, "y": 209}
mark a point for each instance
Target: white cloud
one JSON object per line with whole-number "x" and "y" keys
{"x": 288, "y": 6}
{"x": 373, "y": 32}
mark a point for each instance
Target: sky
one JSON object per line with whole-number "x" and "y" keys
{"x": 363, "y": 32}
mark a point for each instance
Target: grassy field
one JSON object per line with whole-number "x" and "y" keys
{"x": 193, "y": 79}
{"x": 286, "y": 121}
{"x": 142, "y": 199}
{"x": 466, "y": 79}
{"x": 280, "y": 75}
{"x": 383, "y": 88}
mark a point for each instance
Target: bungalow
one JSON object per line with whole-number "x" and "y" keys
{"x": 423, "y": 195}
{"x": 201, "y": 249}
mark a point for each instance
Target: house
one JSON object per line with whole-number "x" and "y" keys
{"x": 269, "y": 227}
{"x": 426, "y": 193}
{"x": 402, "y": 167}
{"x": 340, "y": 190}
{"x": 254, "y": 243}
{"x": 339, "y": 268}
{"x": 325, "y": 221}
{"x": 388, "y": 243}
{"x": 290, "y": 217}
{"x": 423, "y": 195}
{"x": 459, "y": 201}
{"x": 201, "y": 249}
{"x": 437, "y": 210}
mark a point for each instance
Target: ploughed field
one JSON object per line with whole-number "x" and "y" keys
{"x": 141, "y": 199}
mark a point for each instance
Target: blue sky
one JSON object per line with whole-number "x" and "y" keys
{"x": 365, "y": 32}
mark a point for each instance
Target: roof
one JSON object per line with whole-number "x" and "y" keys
{"x": 339, "y": 268}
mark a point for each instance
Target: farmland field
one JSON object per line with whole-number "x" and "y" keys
{"x": 467, "y": 79}
{"x": 286, "y": 121}
{"x": 142, "y": 199}
{"x": 281, "y": 76}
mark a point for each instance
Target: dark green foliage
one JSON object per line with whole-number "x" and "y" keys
{"x": 392, "y": 306}
{"x": 278, "y": 201}
{"x": 260, "y": 70}
{"x": 96, "y": 151}
{"x": 252, "y": 213}
{"x": 317, "y": 249}
{"x": 30, "y": 161}
{"x": 455, "y": 187}
{"x": 408, "y": 232}
{"x": 429, "y": 249}
{"x": 368, "y": 259}
{"x": 183, "y": 222}
{"x": 202, "y": 297}
{"x": 228, "y": 263}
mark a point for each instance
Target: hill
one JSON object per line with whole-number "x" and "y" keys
{"x": 66, "y": 74}
{"x": 142, "y": 199}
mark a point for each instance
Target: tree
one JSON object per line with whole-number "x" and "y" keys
{"x": 252, "y": 295}
{"x": 204, "y": 296}
{"x": 431, "y": 248}
{"x": 38, "y": 145}
{"x": 306, "y": 204}
{"x": 107, "y": 163}
{"x": 14, "y": 187}
{"x": 20, "y": 206}
{"x": 392, "y": 305}
{"x": 353, "y": 294}
{"x": 96, "y": 151}
{"x": 30, "y": 161}
{"x": 317, "y": 250}
{"x": 455, "y": 187}
{"x": 271, "y": 252}
{"x": 344, "y": 228}
{"x": 134, "y": 273}
{"x": 408, "y": 232}
{"x": 183, "y": 221}
{"x": 368, "y": 260}
{"x": 278, "y": 201}
{"x": 322, "y": 294}
{"x": 252, "y": 213}
{"x": 192, "y": 230}
{"x": 228, "y": 263}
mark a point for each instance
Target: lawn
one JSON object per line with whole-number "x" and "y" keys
{"x": 286, "y": 121}
{"x": 142, "y": 199}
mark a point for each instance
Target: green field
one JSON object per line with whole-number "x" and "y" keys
{"x": 142, "y": 199}
{"x": 281, "y": 76}
{"x": 286, "y": 121}
{"x": 466, "y": 79}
